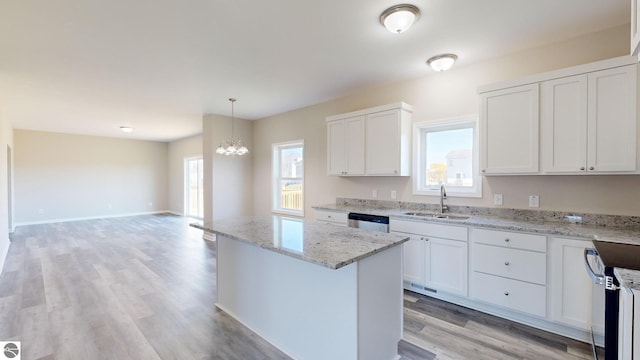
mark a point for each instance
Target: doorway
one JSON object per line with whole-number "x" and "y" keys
{"x": 194, "y": 186}
{"x": 9, "y": 192}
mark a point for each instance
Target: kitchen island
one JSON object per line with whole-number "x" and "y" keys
{"x": 314, "y": 290}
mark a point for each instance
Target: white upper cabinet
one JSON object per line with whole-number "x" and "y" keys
{"x": 588, "y": 122}
{"x": 509, "y": 131}
{"x": 345, "y": 141}
{"x": 612, "y": 120}
{"x": 563, "y": 125}
{"x": 370, "y": 142}
{"x": 635, "y": 23}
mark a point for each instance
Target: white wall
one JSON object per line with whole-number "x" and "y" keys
{"x": 445, "y": 95}
{"x": 179, "y": 150}
{"x": 6, "y": 139}
{"x": 227, "y": 180}
{"x": 63, "y": 177}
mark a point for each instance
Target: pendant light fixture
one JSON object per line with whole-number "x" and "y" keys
{"x": 232, "y": 147}
{"x": 442, "y": 62}
{"x": 399, "y": 18}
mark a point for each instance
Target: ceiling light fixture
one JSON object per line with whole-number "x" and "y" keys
{"x": 126, "y": 129}
{"x": 232, "y": 147}
{"x": 399, "y": 18}
{"x": 442, "y": 62}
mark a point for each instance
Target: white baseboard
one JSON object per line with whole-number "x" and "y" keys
{"x": 53, "y": 221}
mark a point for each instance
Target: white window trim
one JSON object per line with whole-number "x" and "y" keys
{"x": 274, "y": 178}
{"x": 419, "y": 161}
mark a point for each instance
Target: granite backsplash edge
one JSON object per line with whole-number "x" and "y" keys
{"x": 613, "y": 221}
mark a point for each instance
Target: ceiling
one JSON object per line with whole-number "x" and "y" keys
{"x": 88, "y": 67}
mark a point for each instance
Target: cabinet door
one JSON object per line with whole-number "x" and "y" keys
{"x": 612, "y": 120}
{"x": 383, "y": 143}
{"x": 509, "y": 131}
{"x": 336, "y": 147}
{"x": 563, "y": 125}
{"x": 345, "y": 146}
{"x": 447, "y": 267}
{"x": 635, "y": 23}
{"x": 355, "y": 145}
{"x": 571, "y": 288}
{"x": 414, "y": 252}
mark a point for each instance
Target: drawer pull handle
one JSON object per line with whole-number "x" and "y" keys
{"x": 507, "y": 240}
{"x": 506, "y": 293}
{"x": 506, "y": 263}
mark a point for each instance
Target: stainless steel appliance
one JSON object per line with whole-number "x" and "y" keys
{"x": 608, "y": 256}
{"x": 369, "y": 222}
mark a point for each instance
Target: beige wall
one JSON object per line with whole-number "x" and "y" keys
{"x": 64, "y": 177}
{"x": 6, "y": 139}
{"x": 227, "y": 180}
{"x": 179, "y": 150}
{"x": 445, "y": 95}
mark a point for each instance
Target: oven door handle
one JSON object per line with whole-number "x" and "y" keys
{"x": 597, "y": 278}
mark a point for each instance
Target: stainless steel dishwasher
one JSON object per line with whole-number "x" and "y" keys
{"x": 369, "y": 222}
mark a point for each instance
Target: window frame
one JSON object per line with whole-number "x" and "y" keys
{"x": 187, "y": 177}
{"x": 276, "y": 172}
{"x": 420, "y": 129}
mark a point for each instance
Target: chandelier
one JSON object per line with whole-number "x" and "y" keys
{"x": 233, "y": 147}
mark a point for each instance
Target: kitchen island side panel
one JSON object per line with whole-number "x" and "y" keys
{"x": 305, "y": 310}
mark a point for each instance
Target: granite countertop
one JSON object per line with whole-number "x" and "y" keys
{"x": 626, "y": 235}
{"x": 582, "y": 231}
{"x": 628, "y": 278}
{"x": 315, "y": 242}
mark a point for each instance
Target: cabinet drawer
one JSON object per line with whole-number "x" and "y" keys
{"x": 429, "y": 229}
{"x": 331, "y": 216}
{"x": 510, "y": 239}
{"x": 511, "y": 263}
{"x": 513, "y": 294}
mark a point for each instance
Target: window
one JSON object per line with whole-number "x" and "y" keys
{"x": 194, "y": 185}
{"x": 446, "y": 153}
{"x": 288, "y": 177}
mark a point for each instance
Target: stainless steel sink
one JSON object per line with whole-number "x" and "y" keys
{"x": 437, "y": 216}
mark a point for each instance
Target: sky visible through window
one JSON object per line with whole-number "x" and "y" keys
{"x": 439, "y": 144}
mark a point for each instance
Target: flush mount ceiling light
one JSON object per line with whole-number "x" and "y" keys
{"x": 399, "y": 18}
{"x": 232, "y": 147}
{"x": 442, "y": 62}
{"x": 126, "y": 129}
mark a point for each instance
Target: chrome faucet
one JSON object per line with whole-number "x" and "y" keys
{"x": 443, "y": 197}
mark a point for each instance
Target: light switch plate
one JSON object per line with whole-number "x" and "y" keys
{"x": 394, "y": 195}
{"x": 374, "y": 193}
{"x": 534, "y": 201}
{"x": 497, "y": 199}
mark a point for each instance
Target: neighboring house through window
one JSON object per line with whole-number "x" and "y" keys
{"x": 446, "y": 153}
{"x": 288, "y": 177}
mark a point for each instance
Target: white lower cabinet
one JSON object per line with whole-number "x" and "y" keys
{"x": 509, "y": 269}
{"x": 513, "y": 294}
{"x": 574, "y": 300}
{"x": 435, "y": 257}
{"x": 332, "y": 217}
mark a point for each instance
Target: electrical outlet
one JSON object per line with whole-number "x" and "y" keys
{"x": 110, "y": 206}
{"x": 41, "y": 211}
{"x": 150, "y": 203}
{"x": 497, "y": 199}
{"x": 394, "y": 195}
{"x": 534, "y": 201}
{"x": 374, "y": 193}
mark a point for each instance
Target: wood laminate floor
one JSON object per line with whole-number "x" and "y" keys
{"x": 144, "y": 288}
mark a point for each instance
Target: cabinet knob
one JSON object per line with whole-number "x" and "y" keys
{"x": 591, "y": 168}
{"x": 506, "y": 293}
{"x": 582, "y": 168}
{"x": 395, "y": 171}
{"x": 507, "y": 240}
{"x": 329, "y": 216}
{"x": 483, "y": 170}
{"x": 506, "y": 263}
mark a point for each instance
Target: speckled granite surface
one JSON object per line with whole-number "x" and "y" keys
{"x": 323, "y": 244}
{"x": 478, "y": 217}
{"x": 628, "y": 278}
{"x": 613, "y": 228}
